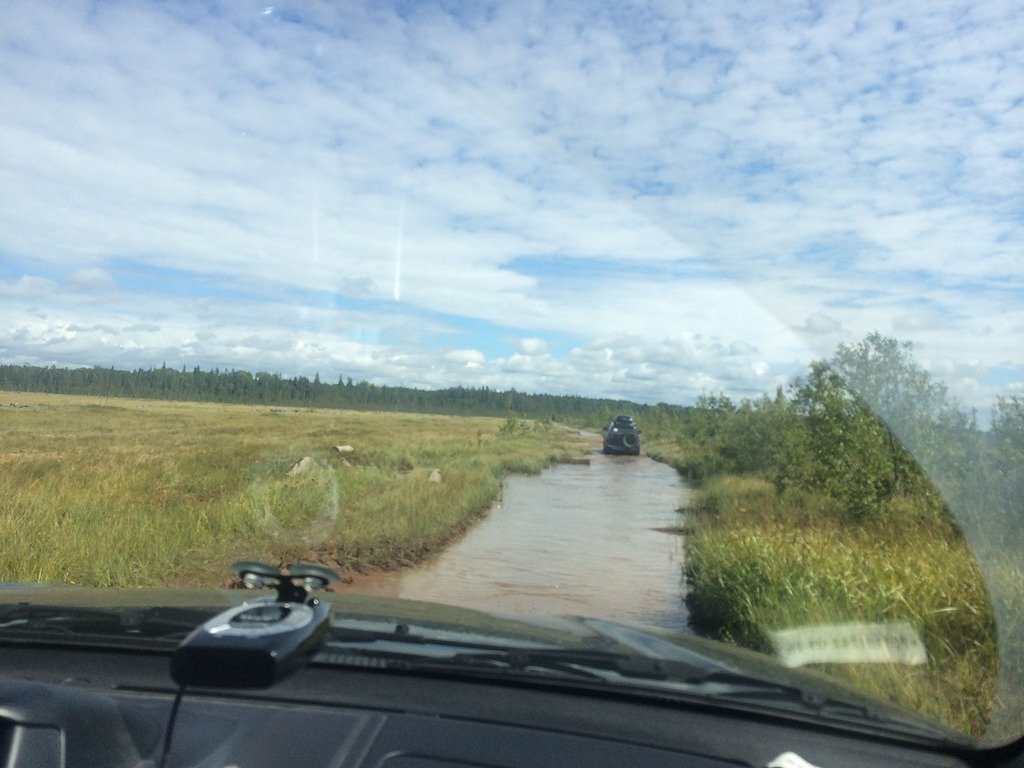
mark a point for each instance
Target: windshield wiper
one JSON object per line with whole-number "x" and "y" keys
{"x": 614, "y": 671}
{"x": 347, "y": 634}
{"x": 403, "y": 650}
{"x": 721, "y": 685}
{"x": 584, "y": 662}
{"x": 531, "y": 664}
{"x": 792, "y": 697}
{"x": 87, "y": 625}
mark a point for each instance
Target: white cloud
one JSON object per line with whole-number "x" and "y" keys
{"x": 820, "y": 323}
{"x": 470, "y": 358}
{"x": 28, "y": 287}
{"x": 532, "y": 347}
{"x": 712, "y": 194}
{"x": 91, "y": 279}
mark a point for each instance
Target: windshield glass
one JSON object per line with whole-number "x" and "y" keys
{"x": 702, "y": 318}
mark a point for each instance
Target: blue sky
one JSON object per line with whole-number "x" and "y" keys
{"x": 647, "y": 200}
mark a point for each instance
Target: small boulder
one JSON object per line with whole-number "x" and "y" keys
{"x": 344, "y": 448}
{"x": 435, "y": 476}
{"x": 302, "y": 465}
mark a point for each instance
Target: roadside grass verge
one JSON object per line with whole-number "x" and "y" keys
{"x": 690, "y": 458}
{"x": 115, "y": 492}
{"x": 761, "y": 560}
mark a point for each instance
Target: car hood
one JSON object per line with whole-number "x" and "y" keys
{"x": 447, "y": 623}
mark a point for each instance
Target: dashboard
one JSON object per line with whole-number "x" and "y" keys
{"x": 74, "y": 707}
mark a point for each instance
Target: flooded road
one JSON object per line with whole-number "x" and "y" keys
{"x": 577, "y": 539}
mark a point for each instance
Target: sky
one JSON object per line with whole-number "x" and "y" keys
{"x": 643, "y": 200}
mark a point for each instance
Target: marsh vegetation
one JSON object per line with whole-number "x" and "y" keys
{"x": 862, "y": 493}
{"x": 119, "y": 492}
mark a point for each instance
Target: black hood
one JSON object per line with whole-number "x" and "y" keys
{"x": 448, "y": 624}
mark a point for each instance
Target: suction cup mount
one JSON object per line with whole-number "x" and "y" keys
{"x": 294, "y": 586}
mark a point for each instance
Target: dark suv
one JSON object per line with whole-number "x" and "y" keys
{"x": 622, "y": 436}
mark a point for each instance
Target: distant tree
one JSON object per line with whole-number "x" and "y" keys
{"x": 761, "y": 434}
{"x": 1008, "y": 424}
{"x": 1004, "y": 480}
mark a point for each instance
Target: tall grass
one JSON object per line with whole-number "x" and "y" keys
{"x": 130, "y": 493}
{"x": 761, "y": 560}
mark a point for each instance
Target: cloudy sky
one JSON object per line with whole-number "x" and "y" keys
{"x": 650, "y": 201}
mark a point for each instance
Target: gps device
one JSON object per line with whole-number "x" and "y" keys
{"x": 261, "y": 641}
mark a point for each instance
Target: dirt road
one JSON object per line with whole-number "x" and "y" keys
{"x": 585, "y": 539}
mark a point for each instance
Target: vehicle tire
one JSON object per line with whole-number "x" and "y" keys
{"x": 631, "y": 442}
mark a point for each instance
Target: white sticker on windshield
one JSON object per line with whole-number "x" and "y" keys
{"x": 895, "y": 643}
{"x": 789, "y": 760}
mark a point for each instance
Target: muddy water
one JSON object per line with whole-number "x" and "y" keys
{"x": 577, "y": 539}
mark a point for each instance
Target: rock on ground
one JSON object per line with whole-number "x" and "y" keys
{"x": 303, "y": 464}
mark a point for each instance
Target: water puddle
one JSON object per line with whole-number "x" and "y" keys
{"x": 592, "y": 540}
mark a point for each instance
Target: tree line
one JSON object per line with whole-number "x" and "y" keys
{"x": 873, "y": 432}
{"x": 235, "y": 386}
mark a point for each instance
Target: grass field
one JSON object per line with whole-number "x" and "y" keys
{"x": 115, "y": 492}
{"x": 759, "y": 560}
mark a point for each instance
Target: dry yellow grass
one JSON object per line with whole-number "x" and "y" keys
{"x": 115, "y": 492}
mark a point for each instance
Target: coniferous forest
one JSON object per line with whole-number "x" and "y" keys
{"x": 233, "y": 386}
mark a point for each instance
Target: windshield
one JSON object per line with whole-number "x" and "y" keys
{"x": 703, "y": 318}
